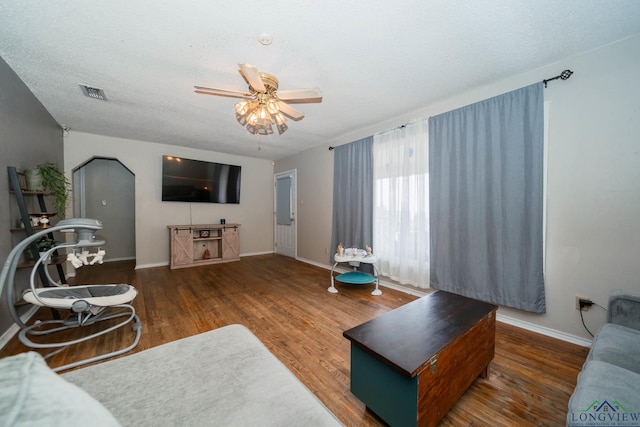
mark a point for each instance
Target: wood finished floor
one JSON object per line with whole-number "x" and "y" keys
{"x": 285, "y": 303}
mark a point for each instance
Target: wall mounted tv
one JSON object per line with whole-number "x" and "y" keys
{"x": 186, "y": 180}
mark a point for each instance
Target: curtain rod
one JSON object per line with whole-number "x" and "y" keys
{"x": 398, "y": 127}
{"x": 563, "y": 75}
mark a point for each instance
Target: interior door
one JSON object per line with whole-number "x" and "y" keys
{"x": 284, "y": 213}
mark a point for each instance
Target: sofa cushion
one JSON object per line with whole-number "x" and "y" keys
{"x": 617, "y": 345}
{"x": 624, "y": 308}
{"x": 605, "y": 393}
{"x": 31, "y": 394}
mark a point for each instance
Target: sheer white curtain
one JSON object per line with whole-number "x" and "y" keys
{"x": 401, "y": 203}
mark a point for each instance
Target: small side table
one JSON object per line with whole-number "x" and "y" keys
{"x": 356, "y": 277}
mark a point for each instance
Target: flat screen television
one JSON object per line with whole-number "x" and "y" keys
{"x": 186, "y": 180}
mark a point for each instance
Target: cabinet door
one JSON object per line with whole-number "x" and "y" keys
{"x": 230, "y": 243}
{"x": 181, "y": 246}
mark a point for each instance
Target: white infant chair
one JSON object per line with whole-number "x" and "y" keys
{"x": 87, "y": 304}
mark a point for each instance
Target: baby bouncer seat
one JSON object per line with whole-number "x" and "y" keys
{"x": 87, "y": 304}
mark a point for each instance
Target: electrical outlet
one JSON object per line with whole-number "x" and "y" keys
{"x": 578, "y": 298}
{"x": 326, "y": 250}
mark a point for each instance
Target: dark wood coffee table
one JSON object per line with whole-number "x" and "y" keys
{"x": 412, "y": 364}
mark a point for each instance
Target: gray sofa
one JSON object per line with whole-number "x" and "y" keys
{"x": 608, "y": 388}
{"x": 224, "y": 377}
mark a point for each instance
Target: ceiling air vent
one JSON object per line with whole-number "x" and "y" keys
{"x": 93, "y": 92}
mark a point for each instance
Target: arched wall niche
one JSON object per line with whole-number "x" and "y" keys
{"x": 104, "y": 188}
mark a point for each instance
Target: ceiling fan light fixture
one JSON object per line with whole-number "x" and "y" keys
{"x": 261, "y": 107}
{"x": 259, "y": 130}
{"x": 281, "y": 128}
{"x": 263, "y": 116}
{"x": 273, "y": 106}
{"x": 242, "y": 107}
{"x": 280, "y": 118}
{"x": 259, "y": 116}
{"x": 242, "y": 119}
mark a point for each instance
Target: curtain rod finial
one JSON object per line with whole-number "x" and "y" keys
{"x": 563, "y": 75}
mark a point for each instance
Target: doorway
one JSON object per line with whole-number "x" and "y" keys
{"x": 104, "y": 189}
{"x": 285, "y": 221}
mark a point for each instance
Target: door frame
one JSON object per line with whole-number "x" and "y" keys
{"x": 294, "y": 210}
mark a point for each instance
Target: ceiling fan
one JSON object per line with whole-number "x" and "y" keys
{"x": 263, "y": 105}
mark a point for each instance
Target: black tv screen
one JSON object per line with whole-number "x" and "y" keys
{"x": 186, "y": 180}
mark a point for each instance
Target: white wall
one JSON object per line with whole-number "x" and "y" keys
{"x": 144, "y": 159}
{"x": 593, "y": 211}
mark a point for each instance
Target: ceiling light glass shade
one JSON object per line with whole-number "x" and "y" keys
{"x": 241, "y": 119}
{"x": 263, "y": 116}
{"x": 245, "y": 110}
{"x": 273, "y": 106}
{"x": 243, "y": 107}
{"x": 280, "y": 120}
{"x": 282, "y": 128}
{"x": 252, "y": 118}
{"x": 259, "y": 116}
{"x": 259, "y": 130}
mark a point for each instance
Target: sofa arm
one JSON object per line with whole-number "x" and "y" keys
{"x": 624, "y": 308}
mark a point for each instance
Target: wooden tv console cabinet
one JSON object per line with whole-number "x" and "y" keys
{"x": 190, "y": 242}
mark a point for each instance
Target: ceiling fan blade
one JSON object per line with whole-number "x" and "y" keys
{"x": 290, "y": 112}
{"x": 301, "y": 96}
{"x": 222, "y": 92}
{"x": 227, "y": 95}
{"x": 252, "y": 76}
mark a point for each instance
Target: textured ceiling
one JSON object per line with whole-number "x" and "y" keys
{"x": 374, "y": 60}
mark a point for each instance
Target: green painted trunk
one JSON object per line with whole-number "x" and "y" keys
{"x": 386, "y": 392}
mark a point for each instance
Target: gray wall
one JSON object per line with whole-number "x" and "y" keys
{"x": 28, "y": 136}
{"x": 593, "y": 183}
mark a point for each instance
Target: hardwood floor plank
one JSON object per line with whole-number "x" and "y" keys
{"x": 285, "y": 303}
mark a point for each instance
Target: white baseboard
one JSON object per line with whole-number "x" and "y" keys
{"x": 157, "y": 264}
{"x": 124, "y": 258}
{"x": 543, "y": 330}
{"x": 14, "y": 329}
{"x": 317, "y": 264}
{"x": 553, "y": 333}
{"x": 164, "y": 264}
{"x": 256, "y": 253}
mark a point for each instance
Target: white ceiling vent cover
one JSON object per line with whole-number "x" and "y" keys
{"x": 93, "y": 92}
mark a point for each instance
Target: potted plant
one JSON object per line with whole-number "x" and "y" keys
{"x": 48, "y": 177}
{"x": 44, "y": 245}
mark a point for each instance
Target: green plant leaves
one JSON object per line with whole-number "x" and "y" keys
{"x": 54, "y": 181}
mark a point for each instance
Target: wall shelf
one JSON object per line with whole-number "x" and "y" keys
{"x": 17, "y": 188}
